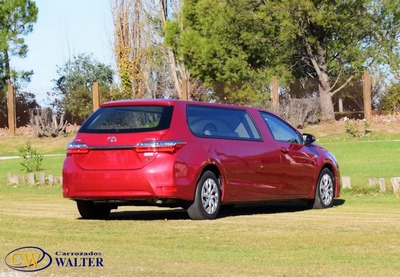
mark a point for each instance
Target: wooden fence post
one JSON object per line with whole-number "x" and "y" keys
{"x": 367, "y": 95}
{"x": 11, "y": 108}
{"x": 96, "y": 96}
{"x": 275, "y": 93}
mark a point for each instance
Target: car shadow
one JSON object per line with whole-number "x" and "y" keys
{"x": 270, "y": 208}
{"x": 150, "y": 215}
{"x": 226, "y": 211}
{"x": 338, "y": 202}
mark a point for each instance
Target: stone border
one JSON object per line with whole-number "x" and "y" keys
{"x": 30, "y": 179}
{"x": 373, "y": 182}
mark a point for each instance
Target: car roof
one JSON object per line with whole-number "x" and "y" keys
{"x": 171, "y": 102}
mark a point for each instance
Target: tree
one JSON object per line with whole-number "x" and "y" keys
{"x": 177, "y": 68}
{"x": 391, "y": 99}
{"x": 25, "y": 102}
{"x": 245, "y": 41}
{"x": 145, "y": 66}
{"x": 16, "y": 20}
{"x": 129, "y": 46}
{"x": 335, "y": 39}
{"x": 228, "y": 48}
{"x": 73, "y": 87}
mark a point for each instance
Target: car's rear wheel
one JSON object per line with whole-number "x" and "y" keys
{"x": 88, "y": 210}
{"x": 324, "y": 193}
{"x": 207, "y": 200}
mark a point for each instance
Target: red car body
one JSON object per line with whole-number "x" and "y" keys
{"x": 114, "y": 160}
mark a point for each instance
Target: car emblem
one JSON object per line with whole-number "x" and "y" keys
{"x": 112, "y": 139}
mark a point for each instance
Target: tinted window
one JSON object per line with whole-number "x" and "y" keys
{"x": 127, "y": 119}
{"x": 281, "y": 130}
{"x": 221, "y": 123}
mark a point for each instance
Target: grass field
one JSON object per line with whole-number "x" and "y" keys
{"x": 362, "y": 160}
{"x": 9, "y": 145}
{"x": 376, "y": 155}
{"x": 358, "y": 237}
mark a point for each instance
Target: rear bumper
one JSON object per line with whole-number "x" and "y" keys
{"x": 161, "y": 181}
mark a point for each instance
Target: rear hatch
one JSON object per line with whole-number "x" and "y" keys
{"x": 122, "y": 137}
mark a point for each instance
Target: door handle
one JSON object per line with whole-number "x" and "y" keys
{"x": 284, "y": 150}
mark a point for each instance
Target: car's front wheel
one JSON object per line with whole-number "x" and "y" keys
{"x": 88, "y": 210}
{"x": 325, "y": 189}
{"x": 207, "y": 200}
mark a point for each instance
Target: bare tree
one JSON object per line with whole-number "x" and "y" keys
{"x": 146, "y": 67}
{"x": 129, "y": 46}
{"x": 177, "y": 69}
{"x": 45, "y": 124}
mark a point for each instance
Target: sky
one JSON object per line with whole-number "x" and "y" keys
{"x": 63, "y": 30}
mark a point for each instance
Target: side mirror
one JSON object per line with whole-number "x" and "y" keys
{"x": 308, "y": 139}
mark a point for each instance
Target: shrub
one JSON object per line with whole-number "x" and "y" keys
{"x": 391, "y": 99}
{"x": 353, "y": 127}
{"x": 32, "y": 159}
{"x": 45, "y": 124}
{"x": 300, "y": 112}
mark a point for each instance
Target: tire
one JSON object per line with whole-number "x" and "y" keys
{"x": 325, "y": 190}
{"x": 88, "y": 210}
{"x": 207, "y": 199}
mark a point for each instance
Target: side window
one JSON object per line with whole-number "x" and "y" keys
{"x": 217, "y": 122}
{"x": 280, "y": 130}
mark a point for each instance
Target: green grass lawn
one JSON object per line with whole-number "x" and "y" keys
{"x": 9, "y": 144}
{"x": 358, "y": 237}
{"x": 362, "y": 159}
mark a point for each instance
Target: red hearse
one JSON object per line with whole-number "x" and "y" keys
{"x": 194, "y": 155}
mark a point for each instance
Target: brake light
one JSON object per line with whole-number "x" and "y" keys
{"x": 170, "y": 146}
{"x": 77, "y": 148}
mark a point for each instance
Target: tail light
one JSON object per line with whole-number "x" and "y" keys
{"x": 170, "y": 146}
{"x": 77, "y": 148}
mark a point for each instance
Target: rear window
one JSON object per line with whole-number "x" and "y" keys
{"x": 128, "y": 119}
{"x": 221, "y": 123}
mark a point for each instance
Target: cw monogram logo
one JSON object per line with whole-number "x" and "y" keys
{"x": 28, "y": 259}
